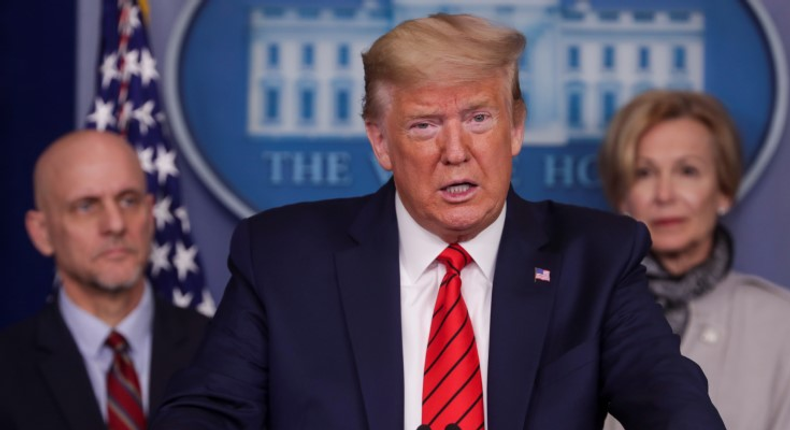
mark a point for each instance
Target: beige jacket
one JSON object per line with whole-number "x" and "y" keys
{"x": 739, "y": 334}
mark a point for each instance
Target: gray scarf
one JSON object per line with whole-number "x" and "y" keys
{"x": 674, "y": 292}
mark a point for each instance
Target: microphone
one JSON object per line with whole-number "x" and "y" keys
{"x": 424, "y": 427}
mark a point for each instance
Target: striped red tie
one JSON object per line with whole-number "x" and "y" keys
{"x": 124, "y": 401}
{"x": 452, "y": 390}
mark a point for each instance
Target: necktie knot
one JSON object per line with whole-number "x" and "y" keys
{"x": 117, "y": 342}
{"x": 454, "y": 258}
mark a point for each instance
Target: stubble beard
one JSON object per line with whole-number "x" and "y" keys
{"x": 100, "y": 284}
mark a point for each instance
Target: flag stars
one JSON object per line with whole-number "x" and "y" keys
{"x": 165, "y": 163}
{"x": 109, "y": 70}
{"x": 162, "y": 213}
{"x": 130, "y": 21}
{"x": 131, "y": 65}
{"x": 128, "y": 101}
{"x": 102, "y": 114}
{"x": 181, "y": 214}
{"x": 207, "y": 306}
{"x": 159, "y": 258}
{"x": 184, "y": 260}
{"x": 182, "y": 300}
{"x": 146, "y": 157}
{"x": 148, "y": 67}
{"x": 144, "y": 117}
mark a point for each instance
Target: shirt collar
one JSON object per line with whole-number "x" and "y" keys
{"x": 90, "y": 332}
{"x": 137, "y": 326}
{"x": 418, "y": 247}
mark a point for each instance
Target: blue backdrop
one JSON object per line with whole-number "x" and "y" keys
{"x": 46, "y": 88}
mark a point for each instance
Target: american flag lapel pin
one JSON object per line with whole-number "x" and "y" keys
{"x": 542, "y": 275}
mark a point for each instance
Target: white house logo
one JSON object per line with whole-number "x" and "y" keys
{"x": 264, "y": 96}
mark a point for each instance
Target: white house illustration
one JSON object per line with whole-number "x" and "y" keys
{"x": 581, "y": 63}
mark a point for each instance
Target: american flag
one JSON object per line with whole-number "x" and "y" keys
{"x": 542, "y": 275}
{"x": 127, "y": 102}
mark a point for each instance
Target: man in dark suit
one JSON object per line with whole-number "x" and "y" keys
{"x": 59, "y": 369}
{"x": 444, "y": 300}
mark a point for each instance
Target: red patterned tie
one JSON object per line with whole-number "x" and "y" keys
{"x": 452, "y": 390}
{"x": 124, "y": 402}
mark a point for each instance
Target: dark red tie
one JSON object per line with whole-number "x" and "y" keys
{"x": 452, "y": 388}
{"x": 124, "y": 401}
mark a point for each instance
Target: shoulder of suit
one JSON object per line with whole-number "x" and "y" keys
{"x": 20, "y": 339}
{"x": 584, "y": 219}
{"x": 754, "y": 302}
{"x": 752, "y": 310}
{"x": 305, "y": 214}
{"x": 321, "y": 223}
{"x": 757, "y": 292}
{"x": 18, "y": 334}
{"x": 311, "y": 209}
{"x": 24, "y": 332}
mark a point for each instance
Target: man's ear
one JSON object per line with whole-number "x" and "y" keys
{"x": 379, "y": 144}
{"x": 517, "y": 132}
{"x": 36, "y": 225}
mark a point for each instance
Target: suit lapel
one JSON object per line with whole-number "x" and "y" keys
{"x": 168, "y": 336}
{"x": 63, "y": 369}
{"x": 369, "y": 282}
{"x": 520, "y": 312}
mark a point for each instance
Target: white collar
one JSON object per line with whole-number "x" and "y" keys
{"x": 418, "y": 247}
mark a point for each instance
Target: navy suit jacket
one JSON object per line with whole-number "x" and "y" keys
{"x": 308, "y": 334}
{"x": 43, "y": 380}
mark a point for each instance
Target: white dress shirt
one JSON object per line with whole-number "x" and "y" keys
{"x": 90, "y": 333}
{"x": 420, "y": 276}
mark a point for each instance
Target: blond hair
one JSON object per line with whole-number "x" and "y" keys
{"x": 617, "y": 155}
{"x": 440, "y": 48}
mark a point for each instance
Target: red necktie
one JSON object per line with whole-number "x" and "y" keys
{"x": 124, "y": 402}
{"x": 452, "y": 390}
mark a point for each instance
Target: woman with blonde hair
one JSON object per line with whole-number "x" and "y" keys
{"x": 672, "y": 160}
